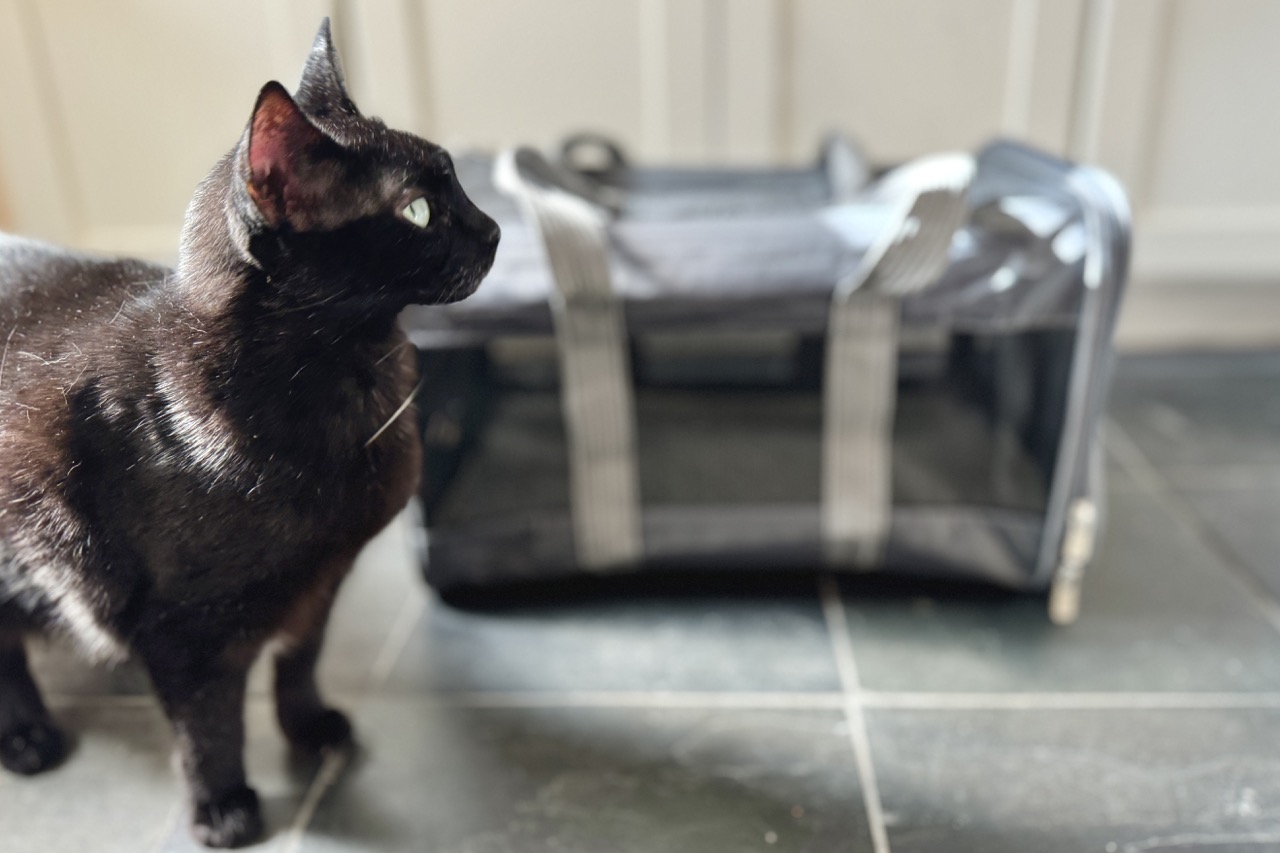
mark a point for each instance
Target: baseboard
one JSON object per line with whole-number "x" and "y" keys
{"x": 1207, "y": 243}
{"x": 1163, "y": 313}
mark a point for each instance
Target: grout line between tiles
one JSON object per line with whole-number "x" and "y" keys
{"x": 816, "y": 701}
{"x": 908, "y": 701}
{"x": 168, "y": 826}
{"x": 411, "y": 613}
{"x": 1148, "y": 477}
{"x": 101, "y": 700}
{"x": 335, "y": 762}
{"x": 393, "y": 644}
{"x": 859, "y": 738}
{"x": 1224, "y": 477}
{"x": 1203, "y": 840}
{"x": 1135, "y": 463}
{"x": 639, "y": 700}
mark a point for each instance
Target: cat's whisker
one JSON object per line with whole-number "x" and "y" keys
{"x": 395, "y": 349}
{"x": 398, "y": 412}
{"x": 306, "y": 306}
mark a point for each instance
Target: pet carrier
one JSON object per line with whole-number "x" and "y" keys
{"x": 727, "y": 369}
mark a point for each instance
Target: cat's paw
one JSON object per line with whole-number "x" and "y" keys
{"x": 318, "y": 730}
{"x": 232, "y": 820}
{"x": 30, "y": 748}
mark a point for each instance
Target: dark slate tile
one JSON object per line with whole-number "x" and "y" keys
{"x": 1247, "y": 521}
{"x": 766, "y": 641}
{"x": 1201, "y": 409}
{"x": 1117, "y": 476}
{"x": 385, "y": 582}
{"x": 1049, "y": 781}
{"x": 1160, "y": 612}
{"x": 61, "y": 671}
{"x": 118, "y": 791}
{"x": 584, "y": 781}
{"x": 115, "y": 792}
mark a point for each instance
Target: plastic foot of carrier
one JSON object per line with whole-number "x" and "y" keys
{"x": 1064, "y": 600}
{"x": 1077, "y": 550}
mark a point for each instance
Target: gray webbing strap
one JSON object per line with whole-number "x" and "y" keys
{"x": 861, "y": 373}
{"x": 845, "y": 166}
{"x": 862, "y": 353}
{"x": 594, "y": 371}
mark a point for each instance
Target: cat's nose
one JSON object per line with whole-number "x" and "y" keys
{"x": 492, "y": 235}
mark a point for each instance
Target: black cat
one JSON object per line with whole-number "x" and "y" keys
{"x": 190, "y": 459}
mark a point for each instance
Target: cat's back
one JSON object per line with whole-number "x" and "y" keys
{"x": 48, "y": 286}
{"x": 64, "y": 317}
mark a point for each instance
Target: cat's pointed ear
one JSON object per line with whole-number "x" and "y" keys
{"x": 282, "y": 152}
{"x": 323, "y": 89}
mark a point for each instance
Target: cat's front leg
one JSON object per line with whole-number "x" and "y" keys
{"x": 29, "y": 740}
{"x": 307, "y": 721}
{"x": 205, "y": 704}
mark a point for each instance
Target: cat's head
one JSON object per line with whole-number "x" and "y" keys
{"x": 348, "y": 211}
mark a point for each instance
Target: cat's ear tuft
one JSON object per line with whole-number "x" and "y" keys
{"x": 323, "y": 89}
{"x": 282, "y": 144}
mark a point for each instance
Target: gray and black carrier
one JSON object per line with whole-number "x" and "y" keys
{"x": 813, "y": 367}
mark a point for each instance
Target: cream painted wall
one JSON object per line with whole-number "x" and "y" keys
{"x": 112, "y": 112}
{"x": 6, "y": 218}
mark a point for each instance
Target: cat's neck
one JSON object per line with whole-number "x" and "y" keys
{"x": 233, "y": 324}
{"x": 213, "y": 261}
{"x": 218, "y": 282}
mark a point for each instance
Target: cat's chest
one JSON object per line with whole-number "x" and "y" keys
{"x": 286, "y": 512}
{"x": 334, "y": 456}
{"x": 352, "y": 434}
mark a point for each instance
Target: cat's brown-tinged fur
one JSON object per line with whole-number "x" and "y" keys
{"x": 190, "y": 459}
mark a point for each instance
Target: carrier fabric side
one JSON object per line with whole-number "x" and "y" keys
{"x": 646, "y": 378}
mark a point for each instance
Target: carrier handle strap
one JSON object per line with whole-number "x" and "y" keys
{"x": 578, "y": 150}
{"x": 845, "y": 166}
{"x": 595, "y": 373}
{"x": 930, "y": 204}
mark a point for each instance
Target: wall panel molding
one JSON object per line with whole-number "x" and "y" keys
{"x": 1177, "y": 244}
{"x": 111, "y": 112}
{"x": 1200, "y": 313}
{"x": 1020, "y": 78}
{"x": 386, "y": 61}
{"x": 675, "y": 79}
{"x": 710, "y": 72}
{"x": 1121, "y": 62}
{"x": 752, "y": 80}
{"x": 1055, "y": 32}
{"x": 1126, "y": 85}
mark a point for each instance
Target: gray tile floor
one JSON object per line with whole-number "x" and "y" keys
{"x": 804, "y": 716}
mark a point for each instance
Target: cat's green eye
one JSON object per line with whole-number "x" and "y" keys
{"x": 417, "y": 211}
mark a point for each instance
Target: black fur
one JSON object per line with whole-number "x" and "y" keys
{"x": 187, "y": 457}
